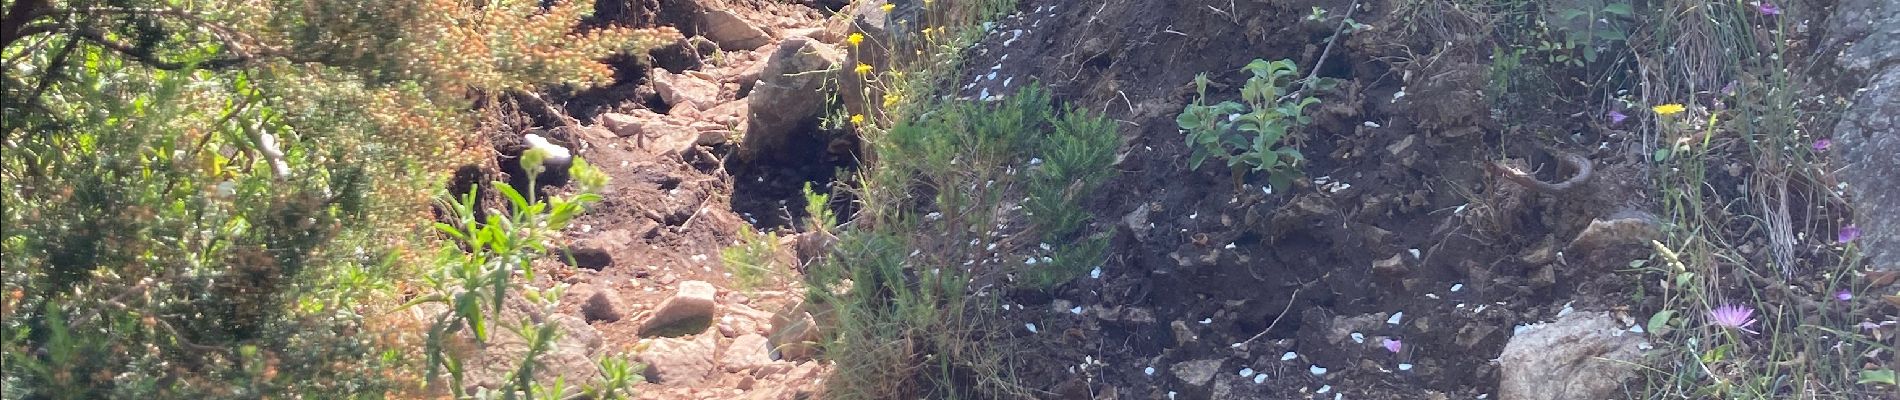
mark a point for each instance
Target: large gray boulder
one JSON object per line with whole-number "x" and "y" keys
{"x": 788, "y": 97}
{"x": 1867, "y": 136}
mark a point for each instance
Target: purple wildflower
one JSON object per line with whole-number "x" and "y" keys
{"x": 1393, "y": 345}
{"x": 1767, "y": 8}
{"x": 1616, "y": 117}
{"x": 1848, "y": 234}
{"x": 1822, "y": 144}
{"x": 1844, "y": 295}
{"x": 1733, "y": 316}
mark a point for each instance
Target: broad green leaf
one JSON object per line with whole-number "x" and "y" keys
{"x": 1659, "y": 324}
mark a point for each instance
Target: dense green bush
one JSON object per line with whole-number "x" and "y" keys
{"x": 219, "y": 199}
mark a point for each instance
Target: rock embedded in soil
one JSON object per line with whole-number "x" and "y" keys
{"x": 746, "y": 352}
{"x": 679, "y": 361}
{"x": 732, "y": 32}
{"x": 795, "y": 334}
{"x": 569, "y": 358}
{"x": 682, "y": 90}
{"x": 788, "y": 97}
{"x": 1196, "y": 374}
{"x": 688, "y": 311}
{"x": 1610, "y": 243}
{"x": 1580, "y": 356}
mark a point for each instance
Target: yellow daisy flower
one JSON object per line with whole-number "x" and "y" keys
{"x": 857, "y": 119}
{"x": 854, "y": 39}
{"x": 1667, "y": 109}
{"x": 888, "y": 6}
{"x": 863, "y": 69}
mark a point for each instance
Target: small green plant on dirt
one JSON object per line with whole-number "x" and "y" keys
{"x": 476, "y": 272}
{"x": 753, "y": 261}
{"x": 1584, "y": 31}
{"x": 1252, "y": 133}
{"x": 949, "y": 186}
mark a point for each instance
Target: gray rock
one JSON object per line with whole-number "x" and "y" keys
{"x": 795, "y": 334}
{"x": 1580, "y": 356}
{"x": 1867, "y": 136}
{"x": 731, "y": 32}
{"x": 689, "y": 311}
{"x": 605, "y": 304}
{"x": 679, "y": 361}
{"x": 788, "y": 96}
{"x": 570, "y": 357}
{"x": 1611, "y": 242}
{"x": 1196, "y": 374}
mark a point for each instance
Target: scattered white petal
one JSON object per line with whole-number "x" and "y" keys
{"x": 1317, "y": 370}
{"x": 1358, "y": 337}
{"x": 1638, "y": 328}
{"x": 1325, "y": 389}
{"x": 1396, "y": 317}
{"x": 1566, "y": 311}
{"x": 1261, "y": 378}
{"x": 1149, "y": 370}
{"x": 1096, "y": 273}
{"x": 1415, "y": 253}
{"x": 1230, "y": 246}
{"x": 1246, "y": 372}
{"x": 1205, "y": 321}
{"x": 1077, "y": 310}
{"x": 1457, "y": 287}
{"x": 1289, "y": 356}
{"x": 1170, "y": 395}
{"x": 1031, "y": 326}
{"x": 1433, "y": 296}
{"x": 1405, "y": 366}
{"x": 1370, "y": 124}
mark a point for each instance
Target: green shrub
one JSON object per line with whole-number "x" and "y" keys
{"x": 1250, "y": 133}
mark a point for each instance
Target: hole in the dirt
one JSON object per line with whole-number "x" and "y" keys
{"x": 770, "y": 194}
{"x": 587, "y": 257}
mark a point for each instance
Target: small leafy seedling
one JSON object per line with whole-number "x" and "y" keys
{"x": 1250, "y": 133}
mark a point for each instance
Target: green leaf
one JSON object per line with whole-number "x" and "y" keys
{"x": 1622, "y": 9}
{"x": 1659, "y": 323}
{"x": 1884, "y": 376}
{"x": 1661, "y": 154}
{"x": 1280, "y": 181}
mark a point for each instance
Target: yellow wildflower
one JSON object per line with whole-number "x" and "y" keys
{"x": 890, "y": 100}
{"x": 1667, "y": 109}
{"x": 855, "y": 38}
{"x": 888, "y": 6}
{"x": 857, "y": 119}
{"x": 863, "y": 69}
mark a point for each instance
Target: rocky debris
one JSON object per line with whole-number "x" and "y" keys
{"x": 746, "y": 352}
{"x": 596, "y": 252}
{"x": 787, "y": 97}
{"x": 685, "y": 90}
{"x": 679, "y": 361}
{"x": 1196, "y": 374}
{"x": 1580, "y": 356}
{"x": 664, "y": 134}
{"x": 795, "y": 333}
{"x": 1391, "y": 267}
{"x": 731, "y": 32}
{"x": 690, "y": 310}
{"x": 1868, "y": 134}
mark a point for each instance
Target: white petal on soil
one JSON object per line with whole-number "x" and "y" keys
{"x": 1358, "y": 337}
{"x": 1405, "y": 367}
{"x": 1457, "y": 287}
{"x": 1324, "y": 389}
{"x": 1031, "y": 326}
{"x": 1205, "y": 321}
{"x": 1289, "y": 356}
{"x": 1415, "y": 253}
{"x": 1261, "y": 378}
{"x": 1396, "y": 318}
{"x": 1316, "y": 370}
{"x": 1246, "y": 372}
{"x": 1077, "y": 310}
{"x": 1096, "y": 273}
{"x": 1150, "y": 371}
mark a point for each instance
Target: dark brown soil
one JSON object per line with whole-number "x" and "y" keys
{"x": 1232, "y": 273}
